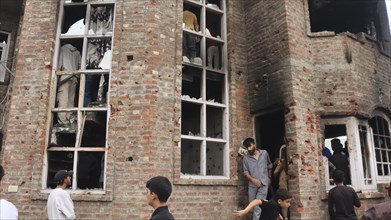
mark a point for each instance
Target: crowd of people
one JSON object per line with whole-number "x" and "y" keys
{"x": 257, "y": 169}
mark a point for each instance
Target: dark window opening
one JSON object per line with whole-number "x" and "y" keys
{"x": 214, "y": 158}
{"x": 74, "y": 16}
{"x": 191, "y": 157}
{"x": 58, "y": 160}
{"x": 346, "y": 15}
{"x": 89, "y": 170}
{"x": 191, "y": 119}
{"x": 191, "y": 82}
{"x": 215, "y": 87}
{"x": 4, "y": 38}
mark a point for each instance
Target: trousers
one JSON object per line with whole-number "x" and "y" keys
{"x": 257, "y": 193}
{"x": 66, "y": 98}
{"x": 214, "y": 57}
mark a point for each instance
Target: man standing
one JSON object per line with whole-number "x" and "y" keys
{"x": 189, "y": 41}
{"x": 342, "y": 199}
{"x": 7, "y": 210}
{"x": 257, "y": 168}
{"x": 159, "y": 189}
{"x": 60, "y": 204}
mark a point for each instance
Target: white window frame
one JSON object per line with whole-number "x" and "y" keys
{"x": 80, "y": 110}
{"x": 381, "y": 179}
{"x": 4, "y": 56}
{"x": 355, "y": 159}
{"x": 205, "y": 103}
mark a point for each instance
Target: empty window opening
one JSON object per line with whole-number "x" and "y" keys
{"x": 345, "y": 15}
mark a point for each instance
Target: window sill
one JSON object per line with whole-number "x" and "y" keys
{"x": 361, "y": 195}
{"x": 206, "y": 181}
{"x": 76, "y": 195}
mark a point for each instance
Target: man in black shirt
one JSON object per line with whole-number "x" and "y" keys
{"x": 272, "y": 209}
{"x": 342, "y": 199}
{"x": 159, "y": 189}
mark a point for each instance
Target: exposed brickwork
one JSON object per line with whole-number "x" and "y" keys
{"x": 273, "y": 63}
{"x": 145, "y": 102}
{"x": 8, "y": 23}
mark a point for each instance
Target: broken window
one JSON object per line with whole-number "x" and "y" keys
{"x": 79, "y": 111}
{"x": 347, "y": 147}
{"x": 369, "y": 17}
{"x": 365, "y": 154}
{"x": 382, "y": 145}
{"x": 204, "y": 122}
{"x": 4, "y": 46}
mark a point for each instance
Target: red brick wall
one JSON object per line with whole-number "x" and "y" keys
{"x": 268, "y": 64}
{"x": 273, "y": 62}
{"x": 26, "y": 133}
{"x": 9, "y": 23}
{"x": 145, "y": 99}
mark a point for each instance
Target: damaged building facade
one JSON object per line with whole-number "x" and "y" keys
{"x": 122, "y": 90}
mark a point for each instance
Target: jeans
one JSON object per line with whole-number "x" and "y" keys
{"x": 91, "y": 89}
{"x": 189, "y": 45}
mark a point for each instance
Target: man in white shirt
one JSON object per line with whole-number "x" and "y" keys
{"x": 7, "y": 210}
{"x": 60, "y": 204}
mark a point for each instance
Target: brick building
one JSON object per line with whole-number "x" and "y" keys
{"x": 132, "y": 105}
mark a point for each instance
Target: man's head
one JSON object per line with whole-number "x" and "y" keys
{"x": 63, "y": 177}
{"x": 338, "y": 176}
{"x": 1, "y": 172}
{"x": 336, "y": 145}
{"x": 283, "y": 198}
{"x": 159, "y": 189}
{"x": 249, "y": 144}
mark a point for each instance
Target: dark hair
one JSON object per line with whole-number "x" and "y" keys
{"x": 248, "y": 141}
{"x": 338, "y": 176}
{"x": 1, "y": 172}
{"x": 161, "y": 186}
{"x": 282, "y": 194}
{"x": 336, "y": 145}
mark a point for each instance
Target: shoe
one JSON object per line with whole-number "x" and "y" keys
{"x": 185, "y": 59}
{"x": 197, "y": 60}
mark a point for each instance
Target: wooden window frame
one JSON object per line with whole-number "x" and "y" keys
{"x": 80, "y": 110}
